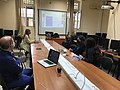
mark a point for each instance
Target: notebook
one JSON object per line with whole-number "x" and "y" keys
{"x": 51, "y": 60}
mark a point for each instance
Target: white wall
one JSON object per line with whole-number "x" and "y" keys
{"x": 92, "y": 17}
{"x": 60, "y": 5}
{"x": 8, "y": 14}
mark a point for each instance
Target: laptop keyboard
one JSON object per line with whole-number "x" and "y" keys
{"x": 48, "y": 62}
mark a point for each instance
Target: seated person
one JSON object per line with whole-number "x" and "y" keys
{"x": 92, "y": 53}
{"x": 69, "y": 41}
{"x": 25, "y": 44}
{"x": 14, "y": 76}
{"x": 66, "y": 43}
{"x": 80, "y": 46}
{"x": 26, "y": 41}
{"x": 73, "y": 42}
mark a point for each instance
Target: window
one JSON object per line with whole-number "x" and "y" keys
{"x": 77, "y": 16}
{"x": 27, "y": 14}
{"x": 30, "y": 22}
{"x": 28, "y": 1}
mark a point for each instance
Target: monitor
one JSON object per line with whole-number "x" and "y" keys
{"x": 16, "y": 32}
{"x": 8, "y": 32}
{"x": 79, "y": 33}
{"x": 104, "y": 35}
{"x": 98, "y": 34}
{"x": 84, "y": 34}
{"x": 115, "y": 44}
{"x": 47, "y": 33}
{"x": 1, "y": 32}
{"x": 95, "y": 38}
{"x": 104, "y": 42}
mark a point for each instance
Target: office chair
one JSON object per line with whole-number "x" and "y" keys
{"x": 5, "y": 87}
{"x": 22, "y": 58}
{"x": 16, "y": 32}
{"x": 85, "y": 34}
{"x": 18, "y": 40}
{"x": 48, "y": 34}
{"x": 106, "y": 63}
{"x": 104, "y": 35}
{"x": 3, "y": 84}
{"x": 55, "y": 35}
{"x": 115, "y": 63}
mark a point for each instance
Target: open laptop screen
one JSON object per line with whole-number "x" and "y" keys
{"x": 53, "y": 56}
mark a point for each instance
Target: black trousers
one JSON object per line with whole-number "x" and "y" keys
{"x": 26, "y": 53}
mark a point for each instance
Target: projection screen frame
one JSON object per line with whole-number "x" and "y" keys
{"x": 39, "y": 33}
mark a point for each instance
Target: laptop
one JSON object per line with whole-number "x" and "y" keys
{"x": 51, "y": 60}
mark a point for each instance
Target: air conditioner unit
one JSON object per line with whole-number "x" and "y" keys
{"x": 107, "y": 6}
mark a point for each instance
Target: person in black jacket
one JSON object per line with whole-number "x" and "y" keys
{"x": 92, "y": 53}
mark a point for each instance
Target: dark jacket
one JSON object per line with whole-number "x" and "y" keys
{"x": 79, "y": 49}
{"x": 9, "y": 67}
{"x": 92, "y": 55}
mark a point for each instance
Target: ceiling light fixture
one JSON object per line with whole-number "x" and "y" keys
{"x": 107, "y": 6}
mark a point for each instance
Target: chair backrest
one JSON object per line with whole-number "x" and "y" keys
{"x": 56, "y": 35}
{"x": 16, "y": 32}
{"x": 2, "y": 83}
{"x": 18, "y": 54}
{"x": 106, "y": 63}
{"x": 22, "y": 58}
{"x": 18, "y": 40}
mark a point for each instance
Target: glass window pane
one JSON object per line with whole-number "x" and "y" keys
{"x": 23, "y": 21}
{"x": 23, "y": 12}
{"x": 30, "y": 22}
{"x": 79, "y": 17}
{"x": 29, "y": 12}
{"x": 75, "y": 24}
{"x": 75, "y": 20}
{"x": 28, "y": 1}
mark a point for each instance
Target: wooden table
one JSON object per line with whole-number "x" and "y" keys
{"x": 114, "y": 56}
{"x": 58, "y": 40}
{"x": 110, "y": 53}
{"x": 47, "y": 78}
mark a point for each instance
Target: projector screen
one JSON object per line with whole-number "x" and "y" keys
{"x": 53, "y": 21}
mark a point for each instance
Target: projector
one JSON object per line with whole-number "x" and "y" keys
{"x": 108, "y": 7}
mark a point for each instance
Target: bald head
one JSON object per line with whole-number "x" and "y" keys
{"x": 6, "y": 42}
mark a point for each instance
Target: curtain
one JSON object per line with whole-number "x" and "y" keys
{"x": 19, "y": 5}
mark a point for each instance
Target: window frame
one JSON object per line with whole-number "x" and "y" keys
{"x": 26, "y": 17}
